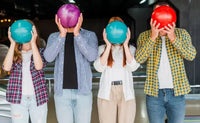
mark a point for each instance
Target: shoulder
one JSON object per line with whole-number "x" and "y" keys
{"x": 85, "y": 31}
{"x": 145, "y": 33}
{"x": 101, "y": 48}
{"x": 132, "y": 48}
{"x": 53, "y": 35}
{"x": 180, "y": 30}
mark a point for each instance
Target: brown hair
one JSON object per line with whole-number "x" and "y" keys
{"x": 17, "y": 51}
{"x": 160, "y": 3}
{"x": 110, "y": 58}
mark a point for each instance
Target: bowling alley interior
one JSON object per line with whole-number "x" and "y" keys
{"x": 136, "y": 14}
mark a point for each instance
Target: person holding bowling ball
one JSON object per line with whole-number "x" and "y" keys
{"x": 72, "y": 48}
{"x": 116, "y": 63}
{"x": 26, "y": 89}
{"x": 164, "y": 50}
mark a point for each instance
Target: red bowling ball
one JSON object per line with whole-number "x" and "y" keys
{"x": 164, "y": 15}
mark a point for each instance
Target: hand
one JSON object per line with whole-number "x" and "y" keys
{"x": 170, "y": 32}
{"x": 105, "y": 38}
{"x": 63, "y": 31}
{"x": 34, "y": 35}
{"x": 154, "y": 29}
{"x": 128, "y": 37}
{"x": 10, "y": 38}
{"x": 78, "y": 25}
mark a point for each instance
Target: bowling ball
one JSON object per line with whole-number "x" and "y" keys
{"x": 68, "y": 15}
{"x": 164, "y": 15}
{"x": 116, "y": 32}
{"x": 21, "y": 31}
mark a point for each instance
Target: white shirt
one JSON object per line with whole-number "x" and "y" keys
{"x": 117, "y": 72}
{"x": 164, "y": 70}
{"x": 117, "y": 68}
{"x": 27, "y": 83}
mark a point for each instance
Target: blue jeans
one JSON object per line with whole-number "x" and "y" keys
{"x": 20, "y": 112}
{"x": 166, "y": 103}
{"x": 72, "y": 105}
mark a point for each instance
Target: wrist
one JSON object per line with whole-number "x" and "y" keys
{"x": 63, "y": 34}
{"x": 12, "y": 45}
{"x": 108, "y": 46}
{"x": 173, "y": 38}
{"x": 76, "y": 34}
{"x": 125, "y": 45}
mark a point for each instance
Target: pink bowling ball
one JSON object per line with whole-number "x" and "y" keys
{"x": 68, "y": 15}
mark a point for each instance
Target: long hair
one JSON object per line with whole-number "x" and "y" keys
{"x": 110, "y": 57}
{"x": 17, "y": 58}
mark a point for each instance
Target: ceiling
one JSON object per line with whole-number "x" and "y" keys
{"x": 45, "y": 9}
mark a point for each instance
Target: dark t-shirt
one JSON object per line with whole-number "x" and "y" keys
{"x": 69, "y": 71}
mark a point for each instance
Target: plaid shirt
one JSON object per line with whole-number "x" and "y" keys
{"x": 14, "y": 88}
{"x": 150, "y": 51}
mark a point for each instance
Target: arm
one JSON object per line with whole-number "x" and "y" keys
{"x": 146, "y": 42}
{"x": 144, "y": 47}
{"x": 98, "y": 62}
{"x": 54, "y": 45}
{"x": 36, "y": 55}
{"x": 131, "y": 63}
{"x": 55, "y": 42}
{"x": 86, "y": 41}
{"x": 87, "y": 45}
{"x": 8, "y": 61}
{"x": 101, "y": 63}
{"x": 184, "y": 45}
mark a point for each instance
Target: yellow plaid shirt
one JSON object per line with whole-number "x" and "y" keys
{"x": 150, "y": 51}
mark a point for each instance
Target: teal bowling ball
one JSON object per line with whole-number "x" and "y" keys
{"x": 21, "y": 31}
{"x": 116, "y": 32}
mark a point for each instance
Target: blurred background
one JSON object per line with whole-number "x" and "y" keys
{"x": 96, "y": 13}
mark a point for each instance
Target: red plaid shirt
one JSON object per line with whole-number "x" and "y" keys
{"x": 14, "y": 87}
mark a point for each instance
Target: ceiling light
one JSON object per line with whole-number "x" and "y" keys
{"x": 142, "y": 1}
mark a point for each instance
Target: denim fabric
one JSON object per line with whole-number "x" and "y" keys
{"x": 72, "y": 106}
{"x": 28, "y": 106}
{"x": 166, "y": 103}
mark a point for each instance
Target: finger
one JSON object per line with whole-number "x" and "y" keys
{"x": 128, "y": 32}
{"x": 170, "y": 26}
{"x": 32, "y": 33}
{"x": 59, "y": 22}
{"x": 151, "y": 21}
{"x": 165, "y": 31}
{"x": 157, "y": 26}
{"x": 161, "y": 29}
{"x": 33, "y": 28}
{"x": 104, "y": 31}
{"x": 80, "y": 20}
{"x": 81, "y": 16}
{"x": 174, "y": 25}
{"x": 154, "y": 23}
{"x": 56, "y": 19}
{"x": 9, "y": 29}
{"x": 167, "y": 28}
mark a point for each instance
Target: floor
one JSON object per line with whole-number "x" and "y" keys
{"x": 192, "y": 108}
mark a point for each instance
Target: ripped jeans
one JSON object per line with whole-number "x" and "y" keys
{"x": 20, "y": 112}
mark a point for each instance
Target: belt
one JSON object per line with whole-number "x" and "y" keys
{"x": 116, "y": 82}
